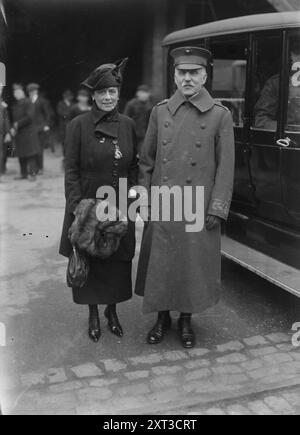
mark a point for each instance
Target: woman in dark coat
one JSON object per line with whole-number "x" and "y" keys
{"x": 101, "y": 148}
{"x": 25, "y": 132}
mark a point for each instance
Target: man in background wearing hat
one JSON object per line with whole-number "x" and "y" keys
{"x": 24, "y": 132}
{"x": 139, "y": 109}
{"x": 189, "y": 142}
{"x": 42, "y": 119}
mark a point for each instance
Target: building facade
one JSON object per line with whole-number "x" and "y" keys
{"x": 57, "y": 43}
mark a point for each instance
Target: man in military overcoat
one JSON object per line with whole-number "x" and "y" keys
{"x": 189, "y": 142}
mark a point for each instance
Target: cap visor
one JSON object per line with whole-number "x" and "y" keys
{"x": 189, "y": 66}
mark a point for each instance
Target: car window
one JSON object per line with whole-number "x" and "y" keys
{"x": 265, "y": 89}
{"x": 229, "y": 75}
{"x": 293, "y": 106}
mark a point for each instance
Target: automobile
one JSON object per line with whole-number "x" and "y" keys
{"x": 256, "y": 73}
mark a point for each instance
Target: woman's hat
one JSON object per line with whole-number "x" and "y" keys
{"x": 106, "y": 76}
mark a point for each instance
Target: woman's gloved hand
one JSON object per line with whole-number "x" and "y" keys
{"x": 212, "y": 221}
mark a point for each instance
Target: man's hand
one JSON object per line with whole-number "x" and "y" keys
{"x": 7, "y": 138}
{"x": 212, "y": 221}
{"x": 12, "y": 132}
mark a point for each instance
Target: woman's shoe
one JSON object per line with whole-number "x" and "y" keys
{"x": 186, "y": 333}
{"x": 94, "y": 334}
{"x": 113, "y": 322}
{"x": 157, "y": 333}
{"x": 94, "y": 324}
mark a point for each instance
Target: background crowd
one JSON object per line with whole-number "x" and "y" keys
{"x": 30, "y": 124}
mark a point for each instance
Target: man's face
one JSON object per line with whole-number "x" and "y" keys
{"x": 33, "y": 94}
{"x": 190, "y": 81}
{"x": 143, "y": 95}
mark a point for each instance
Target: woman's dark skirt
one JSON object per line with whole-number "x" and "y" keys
{"x": 109, "y": 282}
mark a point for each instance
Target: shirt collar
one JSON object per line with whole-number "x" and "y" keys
{"x": 202, "y": 101}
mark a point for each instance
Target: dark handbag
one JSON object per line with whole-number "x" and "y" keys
{"x": 78, "y": 269}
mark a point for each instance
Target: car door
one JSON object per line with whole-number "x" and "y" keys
{"x": 290, "y": 140}
{"x": 265, "y": 152}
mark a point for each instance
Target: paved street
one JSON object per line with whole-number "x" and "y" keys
{"x": 244, "y": 361}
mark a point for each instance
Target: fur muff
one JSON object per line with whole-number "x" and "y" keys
{"x": 93, "y": 233}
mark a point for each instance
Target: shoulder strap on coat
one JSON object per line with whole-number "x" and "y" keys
{"x": 162, "y": 102}
{"x": 218, "y": 103}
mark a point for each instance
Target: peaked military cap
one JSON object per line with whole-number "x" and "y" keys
{"x": 191, "y": 57}
{"x": 106, "y": 76}
{"x": 32, "y": 87}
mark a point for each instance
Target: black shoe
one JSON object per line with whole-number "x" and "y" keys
{"x": 32, "y": 177}
{"x": 113, "y": 322}
{"x": 186, "y": 333}
{"x": 157, "y": 333}
{"x": 94, "y": 327}
{"x": 21, "y": 177}
{"x": 95, "y": 334}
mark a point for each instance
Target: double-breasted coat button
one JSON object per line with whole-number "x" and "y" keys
{"x": 198, "y": 144}
{"x": 193, "y": 163}
{"x": 165, "y": 178}
{"x": 189, "y": 180}
{"x": 167, "y": 124}
{"x": 164, "y": 160}
{"x": 164, "y": 142}
{"x": 203, "y": 125}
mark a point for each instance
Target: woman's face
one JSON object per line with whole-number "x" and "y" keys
{"x": 107, "y": 99}
{"x": 19, "y": 94}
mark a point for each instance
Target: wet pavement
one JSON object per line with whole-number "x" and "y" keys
{"x": 48, "y": 356}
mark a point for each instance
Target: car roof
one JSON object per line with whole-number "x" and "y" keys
{"x": 229, "y": 26}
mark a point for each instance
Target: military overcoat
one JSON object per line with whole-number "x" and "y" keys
{"x": 188, "y": 143}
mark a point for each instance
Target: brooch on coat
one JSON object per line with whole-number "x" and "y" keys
{"x": 118, "y": 152}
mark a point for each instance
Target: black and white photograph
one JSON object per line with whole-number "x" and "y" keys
{"x": 149, "y": 210}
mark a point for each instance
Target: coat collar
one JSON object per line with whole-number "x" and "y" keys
{"x": 106, "y": 123}
{"x": 202, "y": 101}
